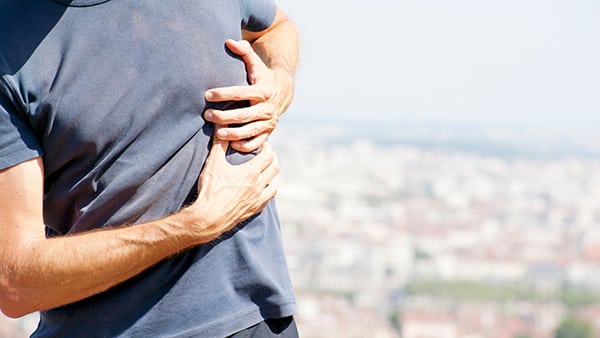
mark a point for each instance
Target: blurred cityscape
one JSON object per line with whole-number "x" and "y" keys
{"x": 449, "y": 232}
{"x": 403, "y": 231}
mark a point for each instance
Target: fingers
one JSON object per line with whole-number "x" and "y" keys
{"x": 267, "y": 182}
{"x": 261, "y": 111}
{"x": 250, "y": 145}
{"x": 264, "y": 158}
{"x": 270, "y": 190}
{"x": 238, "y": 93}
{"x": 247, "y": 131}
{"x": 269, "y": 178}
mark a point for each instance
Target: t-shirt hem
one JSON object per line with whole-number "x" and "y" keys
{"x": 241, "y": 320}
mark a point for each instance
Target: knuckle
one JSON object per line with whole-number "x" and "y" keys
{"x": 236, "y": 134}
{"x": 216, "y": 116}
{"x": 237, "y": 116}
{"x": 255, "y": 130}
{"x": 269, "y": 112}
{"x": 264, "y": 93}
{"x": 242, "y": 146}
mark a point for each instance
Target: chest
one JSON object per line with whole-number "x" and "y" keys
{"x": 108, "y": 76}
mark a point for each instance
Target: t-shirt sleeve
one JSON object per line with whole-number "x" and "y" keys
{"x": 257, "y": 15}
{"x": 18, "y": 142}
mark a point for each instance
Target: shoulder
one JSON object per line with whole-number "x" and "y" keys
{"x": 257, "y": 15}
{"x": 18, "y": 141}
{"x": 24, "y": 25}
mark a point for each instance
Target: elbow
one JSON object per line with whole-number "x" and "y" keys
{"x": 17, "y": 297}
{"x": 14, "y": 309}
{"x": 14, "y": 313}
{"x": 12, "y": 300}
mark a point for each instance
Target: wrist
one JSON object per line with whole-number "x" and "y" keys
{"x": 189, "y": 225}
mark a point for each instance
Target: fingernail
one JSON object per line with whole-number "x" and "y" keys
{"x": 222, "y": 133}
{"x": 209, "y": 95}
{"x": 208, "y": 115}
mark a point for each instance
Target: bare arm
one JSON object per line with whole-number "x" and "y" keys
{"x": 271, "y": 57}
{"x": 278, "y": 45}
{"x": 37, "y": 273}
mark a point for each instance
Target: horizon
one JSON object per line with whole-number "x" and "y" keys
{"x": 507, "y": 140}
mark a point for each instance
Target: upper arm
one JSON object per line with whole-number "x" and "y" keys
{"x": 280, "y": 17}
{"x": 21, "y": 205}
{"x": 21, "y": 173}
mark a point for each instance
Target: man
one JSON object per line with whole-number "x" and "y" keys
{"x": 105, "y": 226}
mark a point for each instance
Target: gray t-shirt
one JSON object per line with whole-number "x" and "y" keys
{"x": 111, "y": 94}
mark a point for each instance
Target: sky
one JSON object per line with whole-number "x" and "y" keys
{"x": 508, "y": 61}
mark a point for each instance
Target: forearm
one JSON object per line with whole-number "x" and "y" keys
{"x": 46, "y": 273}
{"x": 38, "y": 273}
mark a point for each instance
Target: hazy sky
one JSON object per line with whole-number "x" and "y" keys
{"x": 463, "y": 60}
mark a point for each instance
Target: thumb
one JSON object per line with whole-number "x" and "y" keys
{"x": 252, "y": 61}
{"x": 240, "y": 47}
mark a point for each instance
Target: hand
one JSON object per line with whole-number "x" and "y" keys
{"x": 229, "y": 194}
{"x": 270, "y": 93}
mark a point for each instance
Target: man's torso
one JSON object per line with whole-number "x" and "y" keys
{"x": 113, "y": 95}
